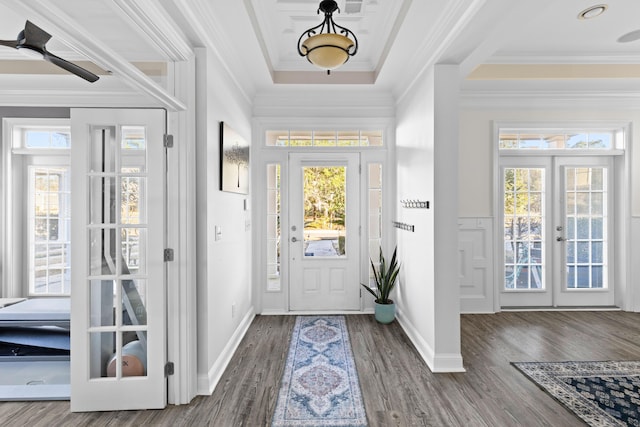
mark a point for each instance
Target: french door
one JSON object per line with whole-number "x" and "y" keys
{"x": 557, "y": 232}
{"x": 118, "y": 320}
{"x": 324, "y": 242}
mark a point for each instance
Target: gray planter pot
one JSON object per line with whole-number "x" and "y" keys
{"x": 385, "y": 313}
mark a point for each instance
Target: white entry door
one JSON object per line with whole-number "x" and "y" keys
{"x": 558, "y": 234}
{"x": 324, "y": 243}
{"x": 118, "y": 330}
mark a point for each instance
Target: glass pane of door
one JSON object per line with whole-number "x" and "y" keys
{"x": 556, "y": 242}
{"x": 586, "y": 227}
{"x": 523, "y": 228}
{"x": 324, "y": 199}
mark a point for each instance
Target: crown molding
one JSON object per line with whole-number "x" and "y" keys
{"x": 322, "y": 101}
{"x": 321, "y": 77}
{"x": 453, "y": 21}
{"x": 204, "y": 22}
{"x": 153, "y": 21}
{"x": 61, "y": 25}
{"x": 548, "y": 100}
{"x": 606, "y": 58}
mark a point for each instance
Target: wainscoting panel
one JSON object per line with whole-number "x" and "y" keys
{"x": 475, "y": 261}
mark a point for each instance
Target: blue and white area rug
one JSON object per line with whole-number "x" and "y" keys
{"x": 320, "y": 383}
{"x": 601, "y": 393}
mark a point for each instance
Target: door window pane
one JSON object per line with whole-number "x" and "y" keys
{"x": 324, "y": 198}
{"x": 586, "y": 247}
{"x": 523, "y": 228}
{"x": 118, "y": 273}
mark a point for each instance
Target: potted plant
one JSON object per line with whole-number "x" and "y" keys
{"x": 385, "y": 276}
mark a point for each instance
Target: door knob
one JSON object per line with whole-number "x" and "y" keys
{"x": 560, "y": 239}
{"x": 294, "y": 239}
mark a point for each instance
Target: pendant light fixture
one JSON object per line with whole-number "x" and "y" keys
{"x": 328, "y": 45}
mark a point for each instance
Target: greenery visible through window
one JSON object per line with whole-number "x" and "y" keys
{"x": 324, "y": 192}
{"x": 523, "y": 228}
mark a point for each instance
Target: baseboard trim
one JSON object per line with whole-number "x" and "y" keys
{"x": 437, "y": 363}
{"x": 207, "y": 383}
{"x": 562, "y": 308}
{"x": 313, "y": 312}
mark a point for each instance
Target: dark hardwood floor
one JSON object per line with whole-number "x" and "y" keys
{"x": 398, "y": 388}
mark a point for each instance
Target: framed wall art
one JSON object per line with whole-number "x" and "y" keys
{"x": 234, "y": 161}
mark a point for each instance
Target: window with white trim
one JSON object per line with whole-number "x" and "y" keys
{"x": 324, "y": 138}
{"x": 41, "y": 189}
{"x": 560, "y": 139}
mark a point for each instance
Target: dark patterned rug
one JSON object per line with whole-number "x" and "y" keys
{"x": 600, "y": 393}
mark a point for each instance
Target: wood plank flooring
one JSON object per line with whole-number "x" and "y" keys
{"x": 398, "y": 388}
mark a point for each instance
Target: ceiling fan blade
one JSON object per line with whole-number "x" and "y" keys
{"x": 9, "y": 43}
{"x": 70, "y": 66}
{"x": 33, "y": 36}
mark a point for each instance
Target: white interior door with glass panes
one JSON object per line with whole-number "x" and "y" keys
{"x": 118, "y": 319}
{"x": 556, "y": 232}
{"x": 324, "y": 242}
{"x": 583, "y": 232}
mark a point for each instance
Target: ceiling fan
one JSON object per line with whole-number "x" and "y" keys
{"x": 34, "y": 38}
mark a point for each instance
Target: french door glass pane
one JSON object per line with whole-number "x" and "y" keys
{"x": 118, "y": 253}
{"x": 523, "y": 228}
{"x": 586, "y": 225}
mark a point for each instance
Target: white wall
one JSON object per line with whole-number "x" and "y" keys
{"x": 426, "y": 149}
{"x": 476, "y": 174}
{"x": 223, "y": 266}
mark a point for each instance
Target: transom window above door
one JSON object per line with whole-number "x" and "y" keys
{"x": 513, "y": 139}
{"x": 324, "y": 138}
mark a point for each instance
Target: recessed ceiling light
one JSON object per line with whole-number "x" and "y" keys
{"x": 629, "y": 37}
{"x": 593, "y": 11}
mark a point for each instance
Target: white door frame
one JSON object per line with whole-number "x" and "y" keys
{"x": 621, "y": 153}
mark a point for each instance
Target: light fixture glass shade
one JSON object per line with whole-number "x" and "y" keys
{"x": 327, "y": 51}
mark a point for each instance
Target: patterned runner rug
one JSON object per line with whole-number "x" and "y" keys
{"x": 601, "y": 393}
{"x": 320, "y": 383}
